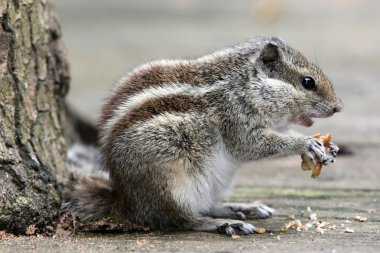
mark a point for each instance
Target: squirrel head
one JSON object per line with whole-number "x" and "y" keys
{"x": 292, "y": 82}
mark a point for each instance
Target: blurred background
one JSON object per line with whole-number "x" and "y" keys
{"x": 106, "y": 39}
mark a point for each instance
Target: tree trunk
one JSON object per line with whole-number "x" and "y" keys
{"x": 34, "y": 81}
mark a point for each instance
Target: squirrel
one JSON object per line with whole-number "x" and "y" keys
{"x": 174, "y": 133}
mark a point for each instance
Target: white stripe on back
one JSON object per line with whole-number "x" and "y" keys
{"x": 136, "y": 100}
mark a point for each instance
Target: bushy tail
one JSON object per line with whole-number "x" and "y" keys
{"x": 89, "y": 198}
{"x": 88, "y": 195}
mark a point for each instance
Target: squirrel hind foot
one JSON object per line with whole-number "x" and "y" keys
{"x": 228, "y": 227}
{"x": 255, "y": 210}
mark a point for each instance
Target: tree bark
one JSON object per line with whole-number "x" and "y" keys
{"x": 34, "y": 80}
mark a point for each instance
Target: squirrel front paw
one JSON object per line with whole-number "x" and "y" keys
{"x": 315, "y": 150}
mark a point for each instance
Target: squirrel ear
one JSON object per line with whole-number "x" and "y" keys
{"x": 277, "y": 40}
{"x": 270, "y": 53}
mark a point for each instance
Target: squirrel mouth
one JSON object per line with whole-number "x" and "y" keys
{"x": 307, "y": 122}
{"x": 303, "y": 120}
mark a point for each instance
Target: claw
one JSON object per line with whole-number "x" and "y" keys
{"x": 325, "y": 159}
{"x": 333, "y": 149}
{"x": 329, "y": 159}
{"x": 319, "y": 142}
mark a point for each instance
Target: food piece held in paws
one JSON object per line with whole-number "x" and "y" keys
{"x": 309, "y": 165}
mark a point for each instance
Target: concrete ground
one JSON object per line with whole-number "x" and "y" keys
{"x": 336, "y": 207}
{"x": 107, "y": 38}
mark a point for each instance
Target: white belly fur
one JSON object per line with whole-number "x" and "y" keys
{"x": 201, "y": 191}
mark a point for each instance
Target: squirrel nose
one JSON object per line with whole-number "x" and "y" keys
{"x": 338, "y": 107}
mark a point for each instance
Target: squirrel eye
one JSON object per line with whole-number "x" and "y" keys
{"x": 308, "y": 83}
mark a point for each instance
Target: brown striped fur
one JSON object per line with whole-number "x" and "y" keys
{"x": 153, "y": 107}
{"x": 192, "y": 72}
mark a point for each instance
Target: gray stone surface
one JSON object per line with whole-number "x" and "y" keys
{"x": 338, "y": 207}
